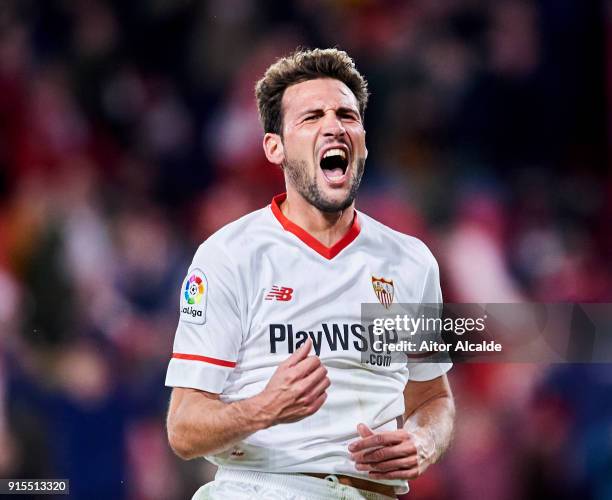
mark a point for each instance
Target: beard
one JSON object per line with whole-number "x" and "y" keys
{"x": 297, "y": 174}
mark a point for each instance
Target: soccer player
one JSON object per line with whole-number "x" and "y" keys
{"x": 268, "y": 375}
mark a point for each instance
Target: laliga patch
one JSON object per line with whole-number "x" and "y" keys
{"x": 194, "y": 296}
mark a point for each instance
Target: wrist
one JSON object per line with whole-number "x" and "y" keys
{"x": 253, "y": 415}
{"x": 425, "y": 443}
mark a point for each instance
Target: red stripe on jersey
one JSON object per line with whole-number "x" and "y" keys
{"x": 311, "y": 241}
{"x": 205, "y": 359}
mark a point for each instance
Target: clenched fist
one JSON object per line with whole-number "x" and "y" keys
{"x": 296, "y": 389}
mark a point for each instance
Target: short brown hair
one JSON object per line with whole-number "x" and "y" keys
{"x": 299, "y": 67}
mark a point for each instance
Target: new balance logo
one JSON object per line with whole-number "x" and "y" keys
{"x": 281, "y": 293}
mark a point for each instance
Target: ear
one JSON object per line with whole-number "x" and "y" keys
{"x": 273, "y": 148}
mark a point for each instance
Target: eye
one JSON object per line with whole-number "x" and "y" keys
{"x": 349, "y": 116}
{"x": 310, "y": 118}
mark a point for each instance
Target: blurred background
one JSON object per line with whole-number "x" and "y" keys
{"x": 129, "y": 134}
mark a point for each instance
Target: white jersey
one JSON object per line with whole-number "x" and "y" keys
{"x": 254, "y": 292}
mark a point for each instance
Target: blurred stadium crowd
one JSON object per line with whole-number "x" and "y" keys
{"x": 129, "y": 133}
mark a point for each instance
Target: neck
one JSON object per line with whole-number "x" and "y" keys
{"x": 327, "y": 227}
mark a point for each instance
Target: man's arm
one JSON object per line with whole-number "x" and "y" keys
{"x": 430, "y": 417}
{"x": 199, "y": 423}
{"x": 406, "y": 453}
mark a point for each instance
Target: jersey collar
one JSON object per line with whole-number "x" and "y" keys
{"x": 311, "y": 241}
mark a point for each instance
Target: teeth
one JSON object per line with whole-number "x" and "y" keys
{"x": 335, "y": 152}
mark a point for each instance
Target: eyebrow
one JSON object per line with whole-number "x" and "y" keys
{"x": 341, "y": 109}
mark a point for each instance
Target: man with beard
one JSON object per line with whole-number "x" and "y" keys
{"x": 269, "y": 376}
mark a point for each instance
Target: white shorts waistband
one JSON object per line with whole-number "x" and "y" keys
{"x": 292, "y": 483}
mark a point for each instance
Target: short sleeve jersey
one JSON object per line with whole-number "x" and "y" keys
{"x": 258, "y": 288}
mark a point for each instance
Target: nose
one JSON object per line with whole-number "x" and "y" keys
{"x": 332, "y": 125}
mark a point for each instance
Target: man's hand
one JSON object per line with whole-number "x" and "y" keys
{"x": 200, "y": 424}
{"x": 391, "y": 454}
{"x": 296, "y": 389}
{"x": 406, "y": 453}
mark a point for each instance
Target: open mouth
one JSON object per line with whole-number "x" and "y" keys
{"x": 334, "y": 163}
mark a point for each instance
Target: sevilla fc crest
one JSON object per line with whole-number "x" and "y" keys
{"x": 384, "y": 290}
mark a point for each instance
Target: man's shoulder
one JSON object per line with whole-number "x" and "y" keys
{"x": 231, "y": 240}
{"x": 380, "y": 234}
{"x": 247, "y": 224}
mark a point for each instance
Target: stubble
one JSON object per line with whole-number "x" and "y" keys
{"x": 297, "y": 173}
